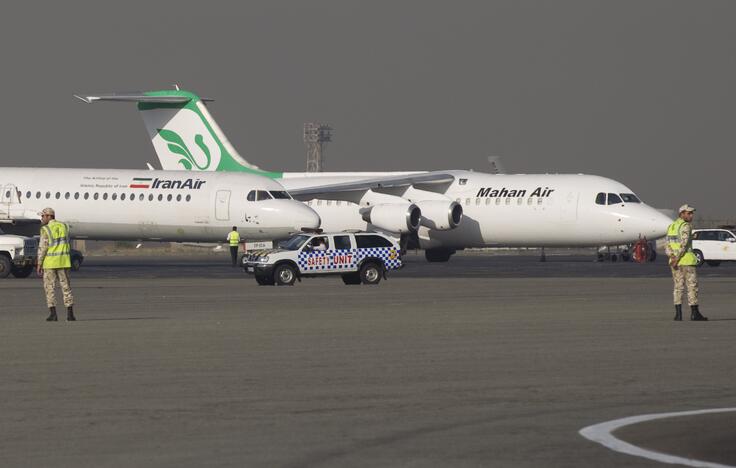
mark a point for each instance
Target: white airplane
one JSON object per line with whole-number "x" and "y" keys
{"x": 439, "y": 211}
{"x": 179, "y": 206}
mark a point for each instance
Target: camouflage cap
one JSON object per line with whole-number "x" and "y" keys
{"x": 686, "y": 207}
{"x": 47, "y": 211}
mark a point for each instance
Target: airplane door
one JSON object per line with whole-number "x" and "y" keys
{"x": 8, "y": 197}
{"x": 569, "y": 207}
{"x": 222, "y": 205}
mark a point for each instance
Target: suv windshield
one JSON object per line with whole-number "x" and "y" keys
{"x": 295, "y": 242}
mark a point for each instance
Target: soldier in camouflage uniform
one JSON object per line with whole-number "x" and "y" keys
{"x": 54, "y": 262}
{"x": 683, "y": 263}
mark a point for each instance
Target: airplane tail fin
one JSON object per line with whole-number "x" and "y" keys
{"x": 183, "y": 132}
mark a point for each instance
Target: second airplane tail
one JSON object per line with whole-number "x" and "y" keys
{"x": 184, "y": 134}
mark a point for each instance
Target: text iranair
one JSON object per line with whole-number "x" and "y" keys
{"x": 504, "y": 192}
{"x": 193, "y": 184}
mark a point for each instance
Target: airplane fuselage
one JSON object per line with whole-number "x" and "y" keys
{"x": 113, "y": 204}
{"x": 506, "y": 210}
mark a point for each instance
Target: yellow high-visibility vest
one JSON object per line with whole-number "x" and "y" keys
{"x": 673, "y": 240}
{"x": 234, "y": 238}
{"x": 58, "y": 255}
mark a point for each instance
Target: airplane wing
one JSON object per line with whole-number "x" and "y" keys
{"x": 430, "y": 181}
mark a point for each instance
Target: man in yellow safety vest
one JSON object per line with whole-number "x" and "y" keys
{"x": 234, "y": 239}
{"x": 54, "y": 261}
{"x": 683, "y": 263}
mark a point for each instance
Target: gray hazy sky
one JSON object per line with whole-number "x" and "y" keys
{"x": 639, "y": 91}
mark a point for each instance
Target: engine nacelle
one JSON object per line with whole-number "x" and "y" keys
{"x": 441, "y": 215}
{"x": 393, "y": 217}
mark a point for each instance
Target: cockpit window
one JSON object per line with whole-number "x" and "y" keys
{"x": 614, "y": 199}
{"x": 630, "y": 198}
{"x": 280, "y": 194}
{"x": 600, "y": 199}
{"x": 258, "y": 195}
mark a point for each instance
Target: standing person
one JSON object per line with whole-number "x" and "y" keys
{"x": 683, "y": 262}
{"x": 55, "y": 262}
{"x": 234, "y": 239}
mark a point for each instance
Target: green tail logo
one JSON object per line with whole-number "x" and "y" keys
{"x": 177, "y": 146}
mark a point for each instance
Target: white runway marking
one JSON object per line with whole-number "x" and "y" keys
{"x": 601, "y": 433}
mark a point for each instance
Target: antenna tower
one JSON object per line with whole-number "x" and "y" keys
{"x": 316, "y": 136}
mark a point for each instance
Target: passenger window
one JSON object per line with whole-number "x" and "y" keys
{"x": 150, "y": 197}
{"x": 614, "y": 199}
{"x": 96, "y": 196}
{"x": 122, "y": 196}
{"x": 178, "y": 197}
{"x": 370, "y": 240}
{"x": 38, "y": 194}
{"x": 104, "y": 196}
{"x": 600, "y": 199}
{"x": 169, "y": 197}
{"x": 342, "y": 242}
{"x": 160, "y": 197}
{"x": 530, "y": 201}
{"x": 467, "y": 201}
{"x": 477, "y": 202}
{"x": 141, "y": 197}
{"x": 86, "y": 195}
{"x": 519, "y": 201}
{"x": 58, "y": 195}
{"x": 114, "y": 196}
{"x": 498, "y": 201}
{"x": 540, "y": 200}
{"x": 28, "y": 194}
{"x": 488, "y": 201}
{"x": 189, "y": 197}
{"x": 251, "y": 196}
{"x": 76, "y": 195}
{"x": 508, "y": 200}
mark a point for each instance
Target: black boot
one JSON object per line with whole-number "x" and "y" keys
{"x": 52, "y": 316}
{"x": 678, "y": 312}
{"x": 695, "y": 314}
{"x": 70, "y": 314}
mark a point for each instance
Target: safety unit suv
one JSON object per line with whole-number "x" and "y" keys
{"x": 713, "y": 246}
{"x": 357, "y": 257}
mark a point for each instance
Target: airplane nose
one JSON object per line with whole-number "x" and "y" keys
{"x": 656, "y": 224}
{"x": 305, "y": 218}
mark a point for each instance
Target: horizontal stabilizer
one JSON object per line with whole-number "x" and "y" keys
{"x": 137, "y": 97}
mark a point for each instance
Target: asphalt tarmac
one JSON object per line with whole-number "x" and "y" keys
{"x": 484, "y": 361}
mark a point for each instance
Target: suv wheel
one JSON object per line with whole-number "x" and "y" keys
{"x": 22, "y": 272}
{"x": 351, "y": 278}
{"x": 699, "y": 257}
{"x": 284, "y": 275}
{"x": 370, "y": 273}
{"x": 5, "y": 266}
{"x": 264, "y": 280}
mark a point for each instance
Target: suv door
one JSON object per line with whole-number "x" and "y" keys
{"x": 343, "y": 252}
{"x": 706, "y": 244}
{"x": 313, "y": 259}
{"x": 726, "y": 246}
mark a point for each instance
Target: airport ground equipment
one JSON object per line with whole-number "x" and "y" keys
{"x": 359, "y": 258}
{"x": 17, "y": 255}
{"x": 713, "y": 246}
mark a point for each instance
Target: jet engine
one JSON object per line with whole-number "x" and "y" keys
{"x": 440, "y": 215}
{"x": 393, "y": 217}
